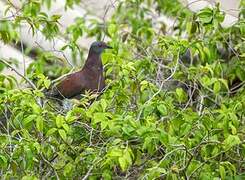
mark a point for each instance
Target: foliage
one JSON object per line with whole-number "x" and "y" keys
{"x": 173, "y": 107}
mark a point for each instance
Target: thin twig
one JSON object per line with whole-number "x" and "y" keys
{"x": 45, "y": 160}
{"x": 19, "y": 74}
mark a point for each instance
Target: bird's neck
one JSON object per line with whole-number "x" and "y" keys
{"x": 93, "y": 61}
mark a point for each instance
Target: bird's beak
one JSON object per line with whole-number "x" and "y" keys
{"x": 108, "y": 47}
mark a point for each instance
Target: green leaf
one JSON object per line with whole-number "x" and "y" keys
{"x": 127, "y": 156}
{"x": 207, "y": 53}
{"x": 3, "y": 161}
{"x": 62, "y": 133}
{"x": 59, "y": 121}
{"x": 70, "y": 117}
{"x": 148, "y": 144}
{"x": 107, "y": 174}
{"x": 225, "y": 83}
{"x": 51, "y": 131}
{"x": 148, "y": 110}
{"x": 206, "y": 81}
{"x": 28, "y": 177}
{"x": 155, "y": 172}
{"x": 240, "y": 73}
{"x": 233, "y": 128}
{"x": 205, "y": 15}
{"x": 112, "y": 29}
{"x": 115, "y": 152}
{"x": 123, "y": 163}
{"x": 47, "y": 83}
{"x": 68, "y": 169}
{"x": 103, "y": 104}
{"x": 222, "y": 172}
{"x": 66, "y": 127}
{"x": 39, "y": 123}
{"x": 2, "y": 66}
{"x": 99, "y": 117}
{"x": 103, "y": 124}
{"x": 55, "y": 17}
{"x": 162, "y": 109}
{"x": 216, "y": 87}
{"x": 181, "y": 95}
{"x": 230, "y": 141}
{"x": 29, "y": 119}
{"x": 143, "y": 85}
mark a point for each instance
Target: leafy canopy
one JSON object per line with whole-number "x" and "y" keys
{"x": 173, "y": 107}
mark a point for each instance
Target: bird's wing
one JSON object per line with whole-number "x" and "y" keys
{"x": 71, "y": 86}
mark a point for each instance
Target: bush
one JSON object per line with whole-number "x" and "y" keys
{"x": 173, "y": 107}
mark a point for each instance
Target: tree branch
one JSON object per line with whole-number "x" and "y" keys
{"x": 18, "y": 73}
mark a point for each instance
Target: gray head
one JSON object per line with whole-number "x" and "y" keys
{"x": 98, "y": 47}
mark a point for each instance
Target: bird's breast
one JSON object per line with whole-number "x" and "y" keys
{"x": 95, "y": 80}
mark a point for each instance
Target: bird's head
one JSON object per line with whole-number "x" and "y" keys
{"x": 98, "y": 47}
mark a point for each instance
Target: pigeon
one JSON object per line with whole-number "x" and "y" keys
{"x": 89, "y": 78}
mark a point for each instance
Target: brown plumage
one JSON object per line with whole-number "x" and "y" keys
{"x": 90, "y": 77}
